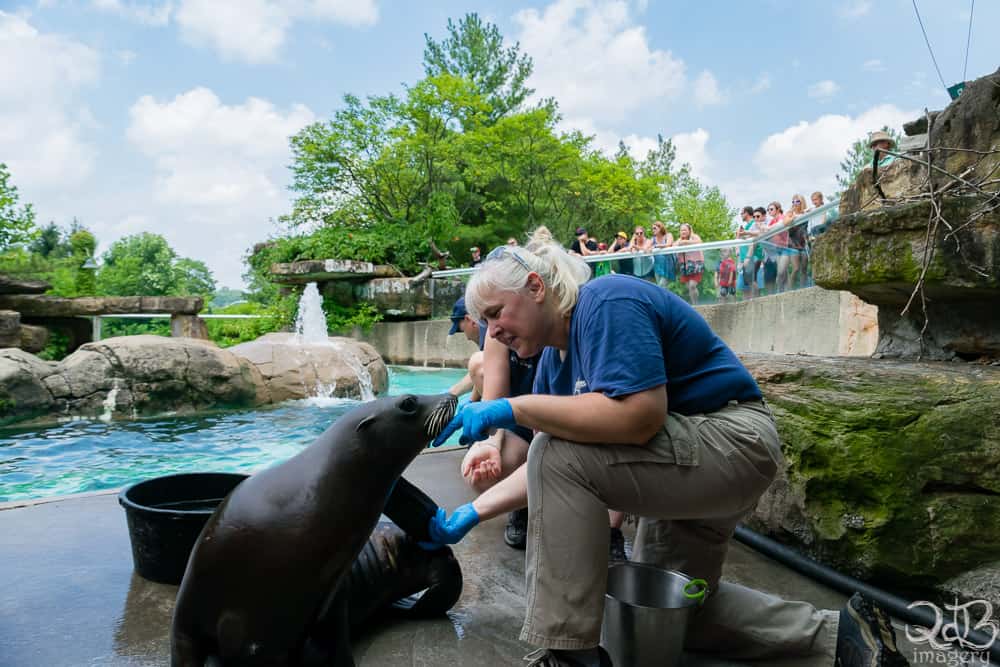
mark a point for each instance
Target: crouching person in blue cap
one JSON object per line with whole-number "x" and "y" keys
{"x": 462, "y": 322}
{"x": 675, "y": 432}
{"x": 494, "y": 372}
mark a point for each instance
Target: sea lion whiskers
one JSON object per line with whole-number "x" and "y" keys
{"x": 441, "y": 415}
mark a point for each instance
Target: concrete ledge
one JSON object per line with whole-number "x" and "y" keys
{"x": 424, "y": 343}
{"x": 810, "y": 321}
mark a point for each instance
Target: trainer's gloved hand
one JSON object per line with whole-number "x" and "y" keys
{"x": 476, "y": 420}
{"x": 446, "y": 529}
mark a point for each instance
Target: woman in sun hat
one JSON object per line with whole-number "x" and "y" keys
{"x": 620, "y": 244}
{"x": 882, "y": 141}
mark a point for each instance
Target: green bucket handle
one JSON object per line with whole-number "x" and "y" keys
{"x": 696, "y": 589}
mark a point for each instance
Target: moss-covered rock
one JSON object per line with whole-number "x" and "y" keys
{"x": 892, "y": 469}
{"x": 879, "y": 255}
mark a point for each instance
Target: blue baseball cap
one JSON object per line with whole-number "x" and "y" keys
{"x": 458, "y": 314}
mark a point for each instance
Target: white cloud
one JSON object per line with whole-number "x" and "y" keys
{"x": 126, "y": 57}
{"x": 706, "y": 90}
{"x": 873, "y": 65}
{"x": 595, "y": 61}
{"x": 691, "y": 146}
{"x": 823, "y": 89}
{"x": 220, "y": 171}
{"x": 153, "y": 15}
{"x": 255, "y": 30}
{"x": 43, "y": 123}
{"x": 806, "y": 156}
{"x": 853, "y": 9}
{"x": 763, "y": 83}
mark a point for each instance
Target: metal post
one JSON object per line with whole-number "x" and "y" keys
{"x": 95, "y": 328}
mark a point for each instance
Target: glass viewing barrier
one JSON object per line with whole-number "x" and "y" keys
{"x": 775, "y": 260}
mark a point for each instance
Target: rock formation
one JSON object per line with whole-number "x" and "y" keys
{"x": 345, "y": 368}
{"x": 135, "y": 376}
{"x": 126, "y": 377}
{"x": 892, "y": 468}
{"x": 937, "y": 226}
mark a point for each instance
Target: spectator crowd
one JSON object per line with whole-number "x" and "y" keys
{"x": 776, "y": 263}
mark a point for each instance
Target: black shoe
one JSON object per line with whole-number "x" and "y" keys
{"x": 549, "y": 658}
{"x": 616, "y": 549}
{"x": 865, "y": 637}
{"x": 516, "y": 532}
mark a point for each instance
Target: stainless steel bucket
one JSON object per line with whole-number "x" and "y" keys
{"x": 646, "y": 612}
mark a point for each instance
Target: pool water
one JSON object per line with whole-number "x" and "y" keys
{"x": 85, "y": 455}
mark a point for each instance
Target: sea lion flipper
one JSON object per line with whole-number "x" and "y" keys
{"x": 444, "y": 587}
{"x": 411, "y": 509}
{"x": 329, "y": 641}
{"x": 185, "y": 651}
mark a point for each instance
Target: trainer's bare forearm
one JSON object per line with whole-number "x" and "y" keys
{"x": 594, "y": 417}
{"x": 507, "y": 495}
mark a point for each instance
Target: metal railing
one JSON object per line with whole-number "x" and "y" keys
{"x": 763, "y": 277}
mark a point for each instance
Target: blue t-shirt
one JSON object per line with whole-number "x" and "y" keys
{"x": 627, "y": 335}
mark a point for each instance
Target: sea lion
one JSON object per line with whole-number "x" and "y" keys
{"x": 268, "y": 564}
{"x": 393, "y": 574}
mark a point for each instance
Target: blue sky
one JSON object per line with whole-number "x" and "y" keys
{"x": 173, "y": 116}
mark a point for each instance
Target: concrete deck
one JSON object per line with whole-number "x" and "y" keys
{"x": 68, "y": 596}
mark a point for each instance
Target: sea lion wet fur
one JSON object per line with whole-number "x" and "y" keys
{"x": 268, "y": 564}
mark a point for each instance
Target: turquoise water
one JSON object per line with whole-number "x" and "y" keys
{"x": 84, "y": 455}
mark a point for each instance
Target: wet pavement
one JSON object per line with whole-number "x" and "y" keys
{"x": 68, "y": 596}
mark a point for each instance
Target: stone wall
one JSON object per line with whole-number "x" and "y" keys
{"x": 809, "y": 321}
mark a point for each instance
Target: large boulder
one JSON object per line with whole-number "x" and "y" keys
{"x": 23, "y": 393}
{"x": 879, "y": 256}
{"x": 341, "y": 367}
{"x": 130, "y": 376}
{"x": 892, "y": 469}
{"x": 891, "y": 234}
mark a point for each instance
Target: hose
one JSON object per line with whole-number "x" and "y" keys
{"x": 848, "y": 585}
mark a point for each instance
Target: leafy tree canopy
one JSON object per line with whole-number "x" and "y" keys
{"x": 475, "y": 51}
{"x": 145, "y": 265}
{"x": 858, "y": 157}
{"x": 456, "y": 159}
{"x": 17, "y": 223}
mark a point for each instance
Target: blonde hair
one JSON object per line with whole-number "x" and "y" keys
{"x": 802, "y": 201}
{"x": 562, "y": 273}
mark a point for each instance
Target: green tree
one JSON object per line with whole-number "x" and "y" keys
{"x": 82, "y": 243}
{"x": 458, "y": 160}
{"x": 138, "y": 265}
{"x": 858, "y": 157}
{"x": 48, "y": 242}
{"x": 475, "y": 51}
{"x": 193, "y": 277}
{"x": 17, "y": 224}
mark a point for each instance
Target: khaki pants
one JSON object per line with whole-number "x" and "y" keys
{"x": 693, "y": 482}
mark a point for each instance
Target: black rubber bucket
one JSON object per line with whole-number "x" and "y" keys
{"x": 165, "y": 516}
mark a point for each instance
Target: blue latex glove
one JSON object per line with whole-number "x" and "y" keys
{"x": 446, "y": 529}
{"x": 476, "y": 420}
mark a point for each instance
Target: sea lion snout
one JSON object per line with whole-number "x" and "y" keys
{"x": 441, "y": 414}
